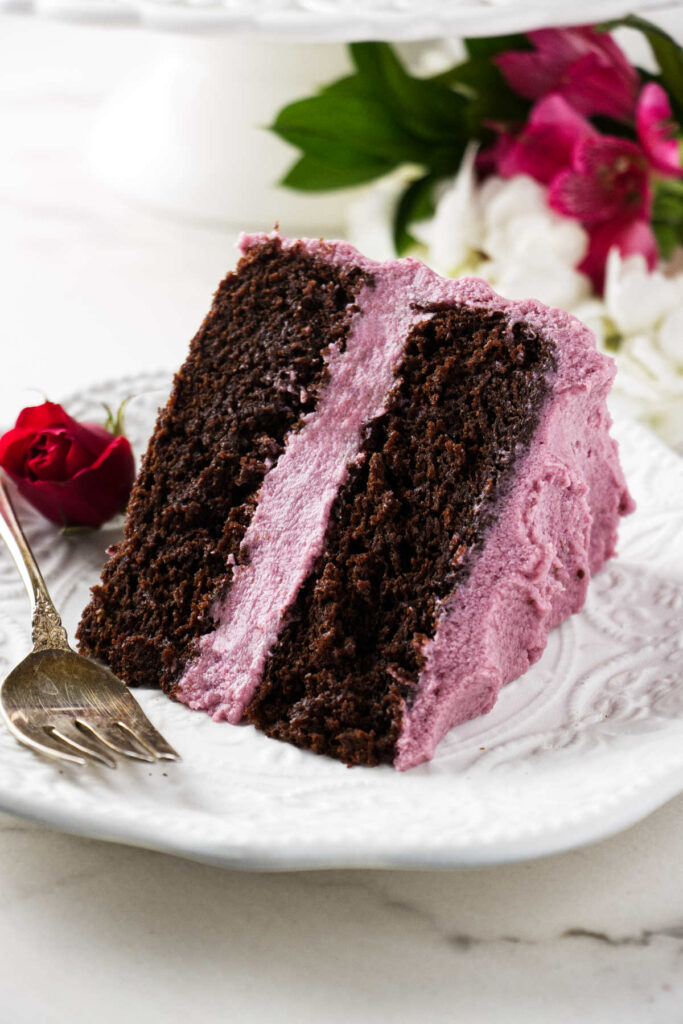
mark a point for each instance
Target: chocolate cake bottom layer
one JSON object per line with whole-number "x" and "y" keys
{"x": 404, "y": 532}
{"x": 254, "y": 370}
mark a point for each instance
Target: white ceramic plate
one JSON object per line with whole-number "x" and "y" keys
{"x": 587, "y": 742}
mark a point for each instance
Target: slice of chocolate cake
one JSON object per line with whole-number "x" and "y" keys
{"x": 371, "y": 495}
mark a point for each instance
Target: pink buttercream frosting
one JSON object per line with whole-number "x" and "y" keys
{"x": 555, "y": 527}
{"x": 288, "y": 528}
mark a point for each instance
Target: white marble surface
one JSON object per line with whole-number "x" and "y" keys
{"x": 89, "y": 932}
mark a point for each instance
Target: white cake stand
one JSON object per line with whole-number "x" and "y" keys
{"x": 186, "y": 134}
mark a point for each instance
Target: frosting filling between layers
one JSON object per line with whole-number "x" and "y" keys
{"x": 245, "y": 386}
{"x": 287, "y": 530}
{"x": 405, "y": 531}
{"x": 543, "y": 539}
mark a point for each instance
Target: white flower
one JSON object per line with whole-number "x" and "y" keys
{"x": 370, "y": 216}
{"x": 594, "y": 315}
{"x": 517, "y": 220}
{"x": 454, "y": 232}
{"x": 532, "y": 251}
{"x": 505, "y": 232}
{"x": 671, "y": 335}
{"x": 544, "y": 278}
{"x": 637, "y": 299}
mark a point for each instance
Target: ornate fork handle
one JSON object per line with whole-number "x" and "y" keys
{"x": 46, "y": 625}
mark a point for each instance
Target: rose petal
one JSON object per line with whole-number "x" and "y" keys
{"x": 14, "y": 448}
{"x": 50, "y": 414}
{"x": 38, "y": 417}
{"x": 92, "y": 497}
{"x": 48, "y": 454}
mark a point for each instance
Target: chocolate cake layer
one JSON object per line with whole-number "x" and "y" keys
{"x": 246, "y": 384}
{"x": 373, "y": 493}
{"x": 403, "y": 533}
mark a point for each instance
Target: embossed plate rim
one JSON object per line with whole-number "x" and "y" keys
{"x": 243, "y": 801}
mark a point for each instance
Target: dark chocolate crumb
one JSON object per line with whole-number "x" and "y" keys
{"x": 254, "y": 369}
{"x": 403, "y": 534}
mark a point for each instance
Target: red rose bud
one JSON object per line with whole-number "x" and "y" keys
{"x": 75, "y": 474}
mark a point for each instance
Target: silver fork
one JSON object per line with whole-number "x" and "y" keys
{"x": 59, "y": 703}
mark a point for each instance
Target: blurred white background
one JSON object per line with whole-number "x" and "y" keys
{"x": 94, "y": 286}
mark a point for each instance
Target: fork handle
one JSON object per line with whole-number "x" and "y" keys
{"x": 46, "y": 625}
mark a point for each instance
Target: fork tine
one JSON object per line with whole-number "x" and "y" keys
{"x": 111, "y": 737}
{"x": 142, "y": 731}
{"x": 127, "y": 731}
{"x": 83, "y": 748}
{"x": 41, "y": 742}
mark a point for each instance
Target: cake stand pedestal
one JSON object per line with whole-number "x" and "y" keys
{"x": 188, "y": 134}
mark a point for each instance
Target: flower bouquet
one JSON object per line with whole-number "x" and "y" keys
{"x": 547, "y": 163}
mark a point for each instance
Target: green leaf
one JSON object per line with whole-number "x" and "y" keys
{"x": 429, "y": 110}
{"x": 368, "y": 123}
{"x": 669, "y": 196}
{"x": 114, "y": 422}
{"x": 668, "y": 239}
{"x": 491, "y": 46}
{"x": 416, "y": 202}
{"x": 666, "y": 51}
{"x": 612, "y": 341}
{"x": 667, "y": 216}
{"x": 646, "y": 76}
{"x": 444, "y": 161}
{"x": 336, "y": 124}
{"x": 491, "y": 99}
{"x": 312, "y": 175}
{"x": 351, "y": 85}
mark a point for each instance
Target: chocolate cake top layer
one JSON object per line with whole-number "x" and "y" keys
{"x": 254, "y": 370}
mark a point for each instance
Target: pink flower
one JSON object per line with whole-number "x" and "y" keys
{"x": 656, "y": 130}
{"x": 635, "y": 237}
{"x": 584, "y": 66}
{"x": 599, "y": 180}
{"x": 607, "y": 188}
{"x": 545, "y": 146}
{"x": 602, "y": 181}
{"x": 608, "y": 179}
{"x": 489, "y": 158}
